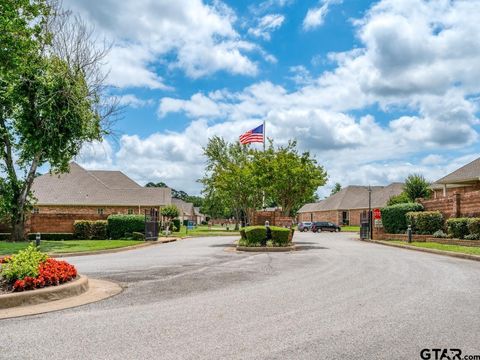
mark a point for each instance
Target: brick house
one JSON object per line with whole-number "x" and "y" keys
{"x": 186, "y": 210}
{"x": 345, "y": 206}
{"x": 463, "y": 180}
{"x": 84, "y": 194}
{"x": 458, "y": 193}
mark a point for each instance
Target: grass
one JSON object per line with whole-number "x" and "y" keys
{"x": 203, "y": 230}
{"x": 58, "y": 247}
{"x": 444, "y": 247}
{"x": 351, "y": 228}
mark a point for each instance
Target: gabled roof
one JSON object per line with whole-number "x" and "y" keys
{"x": 99, "y": 188}
{"x": 184, "y": 207}
{"x": 197, "y": 211}
{"x": 355, "y": 197}
{"x": 467, "y": 173}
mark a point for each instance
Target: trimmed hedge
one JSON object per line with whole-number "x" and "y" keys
{"x": 458, "y": 227}
{"x": 425, "y": 222}
{"x": 138, "y": 236}
{"x": 394, "y": 219}
{"x": 52, "y": 236}
{"x": 254, "y": 235}
{"x": 474, "y": 226}
{"x": 88, "y": 229}
{"x": 4, "y": 236}
{"x": 280, "y": 236}
{"x": 118, "y": 225}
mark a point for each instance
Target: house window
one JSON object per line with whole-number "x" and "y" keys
{"x": 130, "y": 211}
{"x": 36, "y": 210}
{"x": 100, "y": 211}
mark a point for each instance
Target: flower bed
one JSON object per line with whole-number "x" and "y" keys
{"x": 31, "y": 269}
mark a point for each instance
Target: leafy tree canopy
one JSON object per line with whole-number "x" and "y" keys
{"x": 416, "y": 187}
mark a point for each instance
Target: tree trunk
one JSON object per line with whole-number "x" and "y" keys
{"x": 18, "y": 228}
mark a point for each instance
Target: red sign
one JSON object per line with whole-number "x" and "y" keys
{"x": 377, "y": 215}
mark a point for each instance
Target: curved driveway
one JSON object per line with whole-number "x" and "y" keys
{"x": 337, "y": 298}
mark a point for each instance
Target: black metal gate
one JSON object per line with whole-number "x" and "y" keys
{"x": 152, "y": 224}
{"x": 365, "y": 225}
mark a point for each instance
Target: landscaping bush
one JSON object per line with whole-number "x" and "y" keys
{"x": 472, "y": 237}
{"x": 458, "y": 227}
{"x": 52, "y": 236}
{"x": 255, "y": 235}
{"x": 24, "y": 263}
{"x": 425, "y": 222}
{"x": 393, "y": 217}
{"x": 87, "y": 229}
{"x": 243, "y": 236}
{"x": 440, "y": 234}
{"x": 176, "y": 223}
{"x": 118, "y": 225}
{"x": 81, "y": 229}
{"x": 280, "y": 236}
{"x": 4, "y": 236}
{"x": 138, "y": 236}
{"x": 474, "y": 226}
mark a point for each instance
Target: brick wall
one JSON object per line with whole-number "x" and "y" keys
{"x": 60, "y": 219}
{"x": 456, "y": 205}
{"x": 275, "y": 218}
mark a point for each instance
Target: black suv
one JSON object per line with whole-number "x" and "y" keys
{"x": 324, "y": 226}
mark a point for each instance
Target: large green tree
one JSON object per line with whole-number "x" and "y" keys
{"x": 288, "y": 178}
{"x": 242, "y": 180}
{"x": 416, "y": 187}
{"x": 51, "y": 97}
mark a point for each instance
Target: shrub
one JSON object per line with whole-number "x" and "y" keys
{"x": 138, "y": 236}
{"x": 393, "y": 217}
{"x": 255, "y": 235}
{"x": 401, "y": 198}
{"x": 4, "y": 236}
{"x": 52, "y": 236}
{"x": 81, "y": 229}
{"x": 472, "y": 237}
{"x": 243, "y": 236}
{"x": 118, "y": 225}
{"x": 474, "y": 226}
{"x": 425, "y": 222}
{"x": 87, "y": 229}
{"x": 176, "y": 225}
{"x": 280, "y": 236}
{"x": 458, "y": 227}
{"x": 440, "y": 234}
{"x": 98, "y": 230}
{"x": 24, "y": 263}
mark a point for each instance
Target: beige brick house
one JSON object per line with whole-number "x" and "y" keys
{"x": 345, "y": 207}
{"x": 186, "y": 210}
{"x": 89, "y": 194}
{"x": 463, "y": 180}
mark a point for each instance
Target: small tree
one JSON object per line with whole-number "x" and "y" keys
{"x": 169, "y": 212}
{"x": 401, "y": 198}
{"x": 416, "y": 187}
{"x": 336, "y": 188}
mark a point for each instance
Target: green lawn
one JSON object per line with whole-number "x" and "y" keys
{"x": 203, "y": 230}
{"x": 58, "y": 247}
{"x": 351, "y": 228}
{"x": 444, "y": 247}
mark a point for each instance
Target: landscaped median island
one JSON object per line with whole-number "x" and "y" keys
{"x": 254, "y": 238}
{"x": 32, "y": 269}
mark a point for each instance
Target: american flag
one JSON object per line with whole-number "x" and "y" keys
{"x": 251, "y": 136}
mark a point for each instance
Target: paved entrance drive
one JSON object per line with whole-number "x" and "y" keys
{"x": 337, "y": 298}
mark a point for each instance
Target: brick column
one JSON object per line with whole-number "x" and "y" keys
{"x": 456, "y": 205}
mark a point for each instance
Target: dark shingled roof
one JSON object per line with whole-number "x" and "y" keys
{"x": 100, "y": 188}
{"x": 469, "y": 172}
{"x": 355, "y": 197}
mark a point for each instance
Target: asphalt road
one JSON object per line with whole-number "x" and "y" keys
{"x": 336, "y": 298}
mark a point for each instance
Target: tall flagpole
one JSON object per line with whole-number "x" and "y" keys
{"x": 264, "y": 138}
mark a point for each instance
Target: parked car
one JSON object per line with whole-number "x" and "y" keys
{"x": 304, "y": 226}
{"x": 324, "y": 226}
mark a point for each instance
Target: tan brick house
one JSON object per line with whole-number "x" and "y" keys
{"x": 91, "y": 195}
{"x": 186, "y": 210}
{"x": 345, "y": 206}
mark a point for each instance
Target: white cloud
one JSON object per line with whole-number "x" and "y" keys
{"x": 96, "y": 155}
{"x": 198, "y": 38}
{"x": 316, "y": 16}
{"x": 133, "y": 101}
{"x": 266, "y": 25}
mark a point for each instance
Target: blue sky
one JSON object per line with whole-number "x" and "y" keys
{"x": 374, "y": 89}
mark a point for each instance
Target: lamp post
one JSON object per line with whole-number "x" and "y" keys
{"x": 369, "y": 212}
